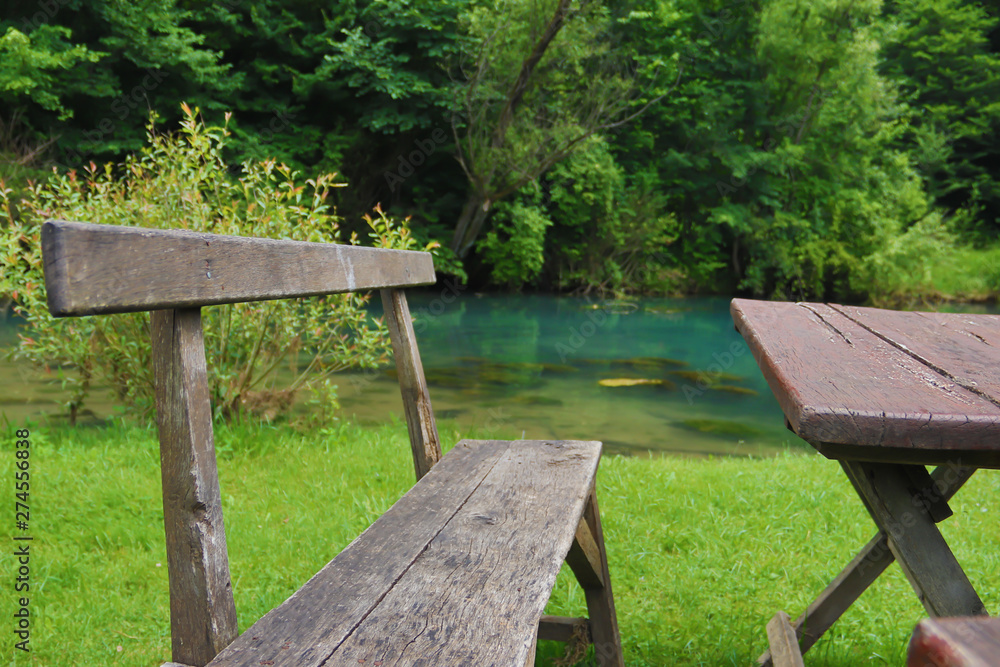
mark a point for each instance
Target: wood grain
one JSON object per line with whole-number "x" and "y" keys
{"x": 840, "y": 384}
{"x": 915, "y": 541}
{"x": 92, "y": 269}
{"x": 476, "y": 594}
{"x": 308, "y": 627}
{"x": 957, "y": 346}
{"x": 955, "y": 642}
{"x": 202, "y": 613}
{"x": 784, "y": 644}
{"x": 564, "y": 628}
{"x": 584, "y": 557}
{"x": 601, "y": 601}
{"x": 424, "y": 441}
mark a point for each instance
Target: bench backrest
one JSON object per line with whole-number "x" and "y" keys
{"x": 92, "y": 269}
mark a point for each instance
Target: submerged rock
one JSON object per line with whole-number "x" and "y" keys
{"x": 628, "y": 382}
{"x": 708, "y": 377}
{"x": 721, "y": 427}
{"x": 733, "y": 389}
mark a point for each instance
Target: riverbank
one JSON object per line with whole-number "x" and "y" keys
{"x": 702, "y": 551}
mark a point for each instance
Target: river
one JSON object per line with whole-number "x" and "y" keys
{"x": 647, "y": 376}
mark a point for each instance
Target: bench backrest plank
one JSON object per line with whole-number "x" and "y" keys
{"x": 96, "y": 269}
{"x": 91, "y": 269}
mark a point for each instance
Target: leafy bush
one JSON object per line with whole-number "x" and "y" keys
{"x": 260, "y": 355}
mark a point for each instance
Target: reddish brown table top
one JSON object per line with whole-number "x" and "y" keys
{"x": 872, "y": 384}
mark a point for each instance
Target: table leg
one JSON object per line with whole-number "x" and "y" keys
{"x": 899, "y": 509}
{"x": 861, "y": 572}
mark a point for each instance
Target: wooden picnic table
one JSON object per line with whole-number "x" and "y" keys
{"x": 887, "y": 393}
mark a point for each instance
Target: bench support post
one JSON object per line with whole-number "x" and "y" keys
{"x": 202, "y": 612}
{"x": 897, "y": 506}
{"x": 589, "y": 561}
{"x": 424, "y": 438}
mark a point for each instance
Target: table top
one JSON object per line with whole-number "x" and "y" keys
{"x": 881, "y": 385}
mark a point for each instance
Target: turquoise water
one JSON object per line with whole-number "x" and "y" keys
{"x": 533, "y": 366}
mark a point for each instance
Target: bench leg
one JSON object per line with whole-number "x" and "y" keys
{"x": 589, "y": 561}
{"x": 202, "y": 612}
{"x": 897, "y": 506}
{"x": 861, "y": 572}
{"x": 784, "y": 642}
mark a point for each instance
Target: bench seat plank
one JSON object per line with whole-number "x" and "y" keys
{"x": 955, "y": 642}
{"x": 91, "y": 269}
{"x": 476, "y": 595}
{"x": 459, "y": 542}
{"x": 317, "y": 618}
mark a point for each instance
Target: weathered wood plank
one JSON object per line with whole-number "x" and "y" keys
{"x": 564, "y": 628}
{"x": 475, "y": 596}
{"x": 862, "y": 571}
{"x": 92, "y": 269}
{"x": 202, "y": 613}
{"x": 957, "y": 346}
{"x": 584, "y": 557}
{"x": 955, "y": 642}
{"x": 600, "y": 601}
{"x": 822, "y": 368}
{"x": 784, "y": 645}
{"x": 915, "y": 541}
{"x": 308, "y": 627}
{"x": 424, "y": 440}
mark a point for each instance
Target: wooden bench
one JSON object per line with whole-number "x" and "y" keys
{"x": 955, "y": 642}
{"x": 457, "y": 572}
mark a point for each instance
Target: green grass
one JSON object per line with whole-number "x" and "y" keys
{"x": 702, "y": 552}
{"x": 964, "y": 274}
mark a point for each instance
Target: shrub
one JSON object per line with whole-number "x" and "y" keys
{"x": 260, "y": 355}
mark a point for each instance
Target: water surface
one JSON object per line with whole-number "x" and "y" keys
{"x": 534, "y": 365}
{"x": 643, "y": 376}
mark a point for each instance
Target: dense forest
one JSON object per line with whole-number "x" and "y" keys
{"x": 835, "y": 149}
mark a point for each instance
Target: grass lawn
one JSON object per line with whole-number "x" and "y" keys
{"x": 702, "y": 552}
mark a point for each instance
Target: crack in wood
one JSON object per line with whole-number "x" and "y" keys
{"x": 824, "y": 321}
{"x": 402, "y": 574}
{"x": 967, "y": 385}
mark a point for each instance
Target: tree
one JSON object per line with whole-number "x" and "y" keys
{"x": 543, "y": 79}
{"x": 940, "y": 55}
{"x": 97, "y": 68}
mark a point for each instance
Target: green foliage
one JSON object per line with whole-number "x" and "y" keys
{"x": 260, "y": 354}
{"x": 36, "y": 68}
{"x": 940, "y": 55}
{"x": 777, "y": 147}
{"x": 96, "y": 69}
{"x": 514, "y": 246}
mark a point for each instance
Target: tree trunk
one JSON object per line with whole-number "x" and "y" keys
{"x": 470, "y": 223}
